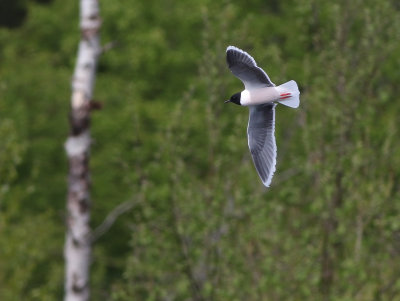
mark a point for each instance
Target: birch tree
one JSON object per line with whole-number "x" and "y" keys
{"x": 77, "y": 250}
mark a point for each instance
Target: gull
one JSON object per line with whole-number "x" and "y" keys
{"x": 261, "y": 96}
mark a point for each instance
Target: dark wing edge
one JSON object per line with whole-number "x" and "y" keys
{"x": 234, "y": 54}
{"x": 261, "y": 139}
{"x": 238, "y": 59}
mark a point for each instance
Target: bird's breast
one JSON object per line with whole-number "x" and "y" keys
{"x": 258, "y": 96}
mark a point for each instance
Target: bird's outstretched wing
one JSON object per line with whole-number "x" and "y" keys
{"x": 261, "y": 138}
{"x": 244, "y": 67}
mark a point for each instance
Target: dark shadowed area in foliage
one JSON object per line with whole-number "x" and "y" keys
{"x": 202, "y": 226}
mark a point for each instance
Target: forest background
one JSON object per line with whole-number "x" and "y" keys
{"x": 202, "y": 226}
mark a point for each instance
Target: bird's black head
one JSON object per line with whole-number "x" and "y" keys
{"x": 235, "y": 98}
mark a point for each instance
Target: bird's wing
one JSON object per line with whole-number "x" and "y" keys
{"x": 261, "y": 138}
{"x": 244, "y": 67}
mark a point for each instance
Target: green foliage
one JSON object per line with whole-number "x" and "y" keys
{"x": 10, "y": 155}
{"x": 205, "y": 227}
{"x": 30, "y": 257}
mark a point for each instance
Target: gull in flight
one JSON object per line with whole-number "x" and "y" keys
{"x": 261, "y": 96}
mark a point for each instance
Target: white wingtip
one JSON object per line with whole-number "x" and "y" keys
{"x": 231, "y": 47}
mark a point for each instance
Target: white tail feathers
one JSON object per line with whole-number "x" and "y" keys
{"x": 289, "y": 94}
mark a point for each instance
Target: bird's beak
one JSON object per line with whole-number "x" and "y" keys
{"x": 226, "y": 101}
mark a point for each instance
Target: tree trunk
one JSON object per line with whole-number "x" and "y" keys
{"x": 77, "y": 250}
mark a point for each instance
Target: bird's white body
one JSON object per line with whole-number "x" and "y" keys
{"x": 259, "y": 96}
{"x": 287, "y": 94}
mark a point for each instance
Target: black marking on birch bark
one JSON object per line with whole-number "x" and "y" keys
{"x": 79, "y": 120}
{"x": 88, "y": 33}
{"x": 84, "y": 205}
{"x": 75, "y": 286}
{"x": 94, "y": 17}
{"x": 79, "y": 167}
{"x": 75, "y": 242}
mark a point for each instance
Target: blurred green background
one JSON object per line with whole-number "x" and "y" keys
{"x": 204, "y": 227}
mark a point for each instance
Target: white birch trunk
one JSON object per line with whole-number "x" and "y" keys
{"x": 77, "y": 250}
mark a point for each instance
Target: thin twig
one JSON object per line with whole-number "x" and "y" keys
{"x": 109, "y": 46}
{"x": 112, "y": 217}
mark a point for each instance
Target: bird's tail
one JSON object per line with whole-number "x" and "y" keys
{"x": 289, "y": 94}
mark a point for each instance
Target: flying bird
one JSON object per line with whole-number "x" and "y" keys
{"x": 261, "y": 96}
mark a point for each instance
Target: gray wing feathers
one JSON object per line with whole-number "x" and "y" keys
{"x": 244, "y": 67}
{"x": 261, "y": 138}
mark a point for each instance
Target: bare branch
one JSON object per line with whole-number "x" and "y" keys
{"x": 112, "y": 217}
{"x": 109, "y": 46}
